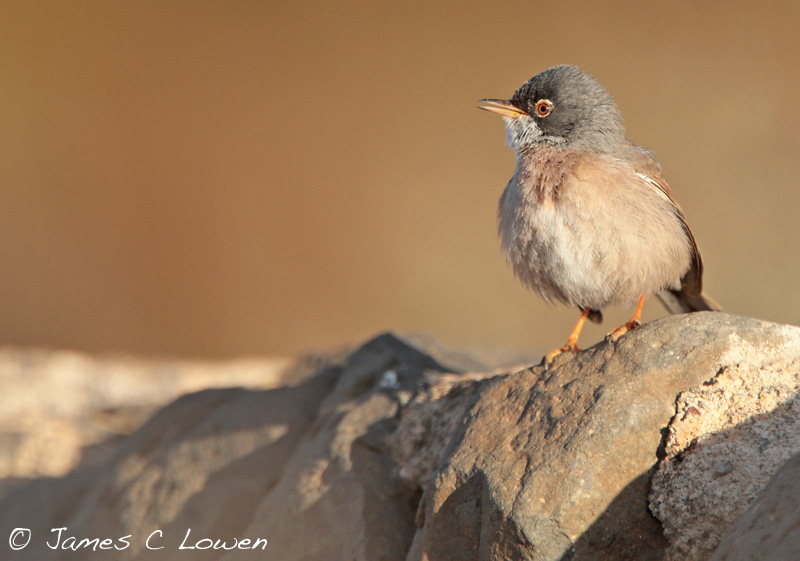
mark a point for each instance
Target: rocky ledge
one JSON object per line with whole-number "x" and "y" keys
{"x": 679, "y": 441}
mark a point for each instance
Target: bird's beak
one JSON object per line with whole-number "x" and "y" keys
{"x": 501, "y": 107}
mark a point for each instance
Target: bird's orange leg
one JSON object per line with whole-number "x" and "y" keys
{"x": 632, "y": 323}
{"x": 572, "y": 342}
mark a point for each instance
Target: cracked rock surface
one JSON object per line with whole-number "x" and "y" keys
{"x": 728, "y": 438}
{"x": 402, "y": 450}
{"x": 769, "y": 528}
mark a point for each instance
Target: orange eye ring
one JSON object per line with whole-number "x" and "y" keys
{"x": 543, "y": 107}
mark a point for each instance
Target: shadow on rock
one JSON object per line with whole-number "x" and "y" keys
{"x": 397, "y": 454}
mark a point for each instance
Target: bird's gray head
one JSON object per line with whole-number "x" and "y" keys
{"x": 560, "y": 106}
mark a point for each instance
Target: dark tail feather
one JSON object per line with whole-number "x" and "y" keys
{"x": 678, "y": 302}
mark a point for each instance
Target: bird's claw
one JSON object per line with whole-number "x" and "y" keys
{"x": 549, "y": 357}
{"x": 614, "y": 336}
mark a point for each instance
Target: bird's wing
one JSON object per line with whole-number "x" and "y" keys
{"x": 649, "y": 170}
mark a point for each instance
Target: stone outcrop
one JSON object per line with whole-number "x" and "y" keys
{"x": 769, "y": 528}
{"x": 728, "y": 438}
{"x": 404, "y": 451}
{"x": 58, "y": 408}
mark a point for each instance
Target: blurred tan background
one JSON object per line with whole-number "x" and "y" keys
{"x": 241, "y": 177}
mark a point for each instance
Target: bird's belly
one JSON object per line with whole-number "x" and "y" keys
{"x": 586, "y": 258}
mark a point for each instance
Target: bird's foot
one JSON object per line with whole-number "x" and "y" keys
{"x": 614, "y": 336}
{"x": 549, "y": 357}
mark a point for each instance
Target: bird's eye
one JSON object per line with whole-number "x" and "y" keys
{"x": 543, "y": 107}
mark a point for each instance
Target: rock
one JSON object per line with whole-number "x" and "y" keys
{"x": 727, "y": 440}
{"x": 302, "y": 466}
{"x": 555, "y": 465}
{"x": 399, "y": 453}
{"x": 59, "y": 407}
{"x": 209, "y": 457}
{"x": 770, "y": 527}
{"x": 341, "y": 486}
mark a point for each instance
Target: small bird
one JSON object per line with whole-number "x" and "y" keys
{"x": 588, "y": 219}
